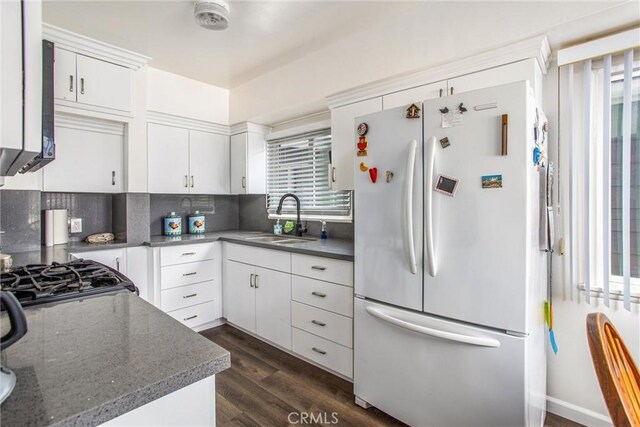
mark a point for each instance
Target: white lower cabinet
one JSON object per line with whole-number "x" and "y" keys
{"x": 188, "y": 283}
{"x": 287, "y": 299}
{"x": 259, "y": 300}
{"x": 114, "y": 258}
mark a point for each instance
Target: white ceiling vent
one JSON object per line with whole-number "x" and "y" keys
{"x": 212, "y": 14}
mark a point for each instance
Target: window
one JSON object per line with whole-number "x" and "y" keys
{"x": 300, "y": 165}
{"x": 600, "y": 114}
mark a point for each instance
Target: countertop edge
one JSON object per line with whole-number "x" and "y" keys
{"x": 142, "y": 396}
{"x": 288, "y": 248}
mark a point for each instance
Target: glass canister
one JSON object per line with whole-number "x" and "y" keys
{"x": 196, "y": 223}
{"x": 173, "y": 225}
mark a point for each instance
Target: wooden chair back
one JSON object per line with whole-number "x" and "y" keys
{"x": 616, "y": 370}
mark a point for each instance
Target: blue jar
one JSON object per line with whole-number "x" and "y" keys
{"x": 196, "y": 223}
{"x": 173, "y": 225}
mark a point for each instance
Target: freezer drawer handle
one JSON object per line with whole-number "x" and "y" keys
{"x": 317, "y": 350}
{"x": 318, "y": 267}
{"x": 318, "y": 294}
{"x": 319, "y": 323}
{"x": 407, "y": 224}
{"x": 428, "y": 207}
{"x": 465, "y": 339}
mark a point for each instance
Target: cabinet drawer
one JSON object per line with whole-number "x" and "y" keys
{"x": 267, "y": 258}
{"x": 196, "y": 314}
{"x": 327, "y": 269}
{"x": 186, "y": 253}
{"x": 186, "y": 274}
{"x": 327, "y": 296}
{"x": 328, "y": 325}
{"x": 334, "y": 356}
{"x": 185, "y": 296}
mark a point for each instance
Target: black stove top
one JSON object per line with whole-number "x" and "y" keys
{"x": 42, "y": 284}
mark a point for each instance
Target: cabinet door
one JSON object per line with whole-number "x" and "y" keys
{"x": 103, "y": 84}
{"x": 510, "y": 73}
{"x": 240, "y": 296}
{"x": 239, "y": 163}
{"x": 168, "y": 159}
{"x": 208, "y": 163}
{"x": 64, "y": 72}
{"x": 273, "y": 306}
{"x": 344, "y": 139}
{"x": 114, "y": 258}
{"x": 86, "y": 161}
{"x": 256, "y": 164}
{"x": 414, "y": 95}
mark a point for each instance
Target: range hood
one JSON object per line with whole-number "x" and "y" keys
{"x": 21, "y": 84}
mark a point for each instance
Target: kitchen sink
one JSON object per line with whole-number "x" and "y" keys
{"x": 285, "y": 240}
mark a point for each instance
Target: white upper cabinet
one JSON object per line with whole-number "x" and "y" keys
{"x": 248, "y": 163}
{"x": 208, "y": 163}
{"x": 64, "y": 71}
{"x": 185, "y": 161}
{"x": 414, "y": 95}
{"x": 87, "y": 160}
{"x": 168, "y": 159}
{"x": 103, "y": 84}
{"x": 89, "y": 81}
{"x": 344, "y": 139}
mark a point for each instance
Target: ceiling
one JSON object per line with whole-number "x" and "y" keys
{"x": 262, "y": 35}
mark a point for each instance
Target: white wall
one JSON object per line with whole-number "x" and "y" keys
{"x": 406, "y": 44}
{"x": 180, "y": 96}
{"x": 572, "y": 387}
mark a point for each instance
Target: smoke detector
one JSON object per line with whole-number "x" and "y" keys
{"x": 212, "y": 14}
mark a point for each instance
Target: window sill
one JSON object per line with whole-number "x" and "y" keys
{"x": 319, "y": 218}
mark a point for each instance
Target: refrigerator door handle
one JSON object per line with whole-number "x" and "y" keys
{"x": 464, "y": 339}
{"x": 410, "y": 249}
{"x": 428, "y": 204}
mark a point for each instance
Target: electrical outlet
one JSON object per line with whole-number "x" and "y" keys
{"x": 76, "y": 225}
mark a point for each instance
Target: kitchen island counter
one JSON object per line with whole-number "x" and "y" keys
{"x": 89, "y": 361}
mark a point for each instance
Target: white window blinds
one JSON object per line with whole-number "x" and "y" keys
{"x": 600, "y": 109}
{"x": 300, "y": 165}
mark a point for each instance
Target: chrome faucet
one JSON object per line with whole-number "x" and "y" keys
{"x": 298, "y": 230}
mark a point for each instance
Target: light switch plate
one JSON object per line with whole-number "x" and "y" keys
{"x": 76, "y": 225}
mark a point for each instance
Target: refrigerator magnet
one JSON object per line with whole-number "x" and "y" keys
{"x": 363, "y": 128}
{"x": 447, "y": 185}
{"x": 413, "y": 112}
{"x": 373, "y": 174}
{"x": 492, "y": 181}
{"x": 444, "y": 142}
{"x": 364, "y": 167}
{"x": 362, "y": 146}
{"x": 388, "y": 176}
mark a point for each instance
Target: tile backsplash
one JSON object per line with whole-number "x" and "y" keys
{"x": 221, "y": 212}
{"x": 20, "y": 220}
{"x": 95, "y": 209}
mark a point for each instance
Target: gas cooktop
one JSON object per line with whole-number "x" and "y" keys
{"x": 42, "y": 284}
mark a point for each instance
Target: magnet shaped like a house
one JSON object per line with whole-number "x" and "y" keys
{"x": 413, "y": 112}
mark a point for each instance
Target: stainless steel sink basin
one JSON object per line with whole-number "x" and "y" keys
{"x": 285, "y": 240}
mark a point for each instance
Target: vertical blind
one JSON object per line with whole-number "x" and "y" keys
{"x": 300, "y": 165}
{"x": 601, "y": 105}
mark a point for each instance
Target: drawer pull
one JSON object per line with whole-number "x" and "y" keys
{"x": 318, "y": 267}
{"x": 189, "y": 296}
{"x": 319, "y": 294}
{"x": 190, "y": 317}
{"x": 193, "y": 273}
{"x": 317, "y": 350}
{"x": 188, "y": 253}
{"x": 319, "y": 323}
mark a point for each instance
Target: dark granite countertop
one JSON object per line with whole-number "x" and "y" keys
{"x": 86, "y": 362}
{"x": 329, "y": 248}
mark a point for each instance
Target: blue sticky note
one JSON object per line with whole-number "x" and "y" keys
{"x": 552, "y": 338}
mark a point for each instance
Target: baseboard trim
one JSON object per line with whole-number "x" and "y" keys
{"x": 577, "y": 413}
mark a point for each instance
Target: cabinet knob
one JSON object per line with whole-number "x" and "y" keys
{"x": 244, "y": 182}
{"x": 441, "y": 92}
{"x": 191, "y": 181}
{"x": 251, "y": 280}
{"x": 82, "y": 85}
{"x": 317, "y": 350}
{"x": 319, "y": 323}
{"x": 113, "y": 177}
{"x": 190, "y": 317}
{"x": 71, "y": 83}
{"x": 318, "y": 294}
{"x": 186, "y": 181}
{"x": 318, "y": 267}
{"x": 451, "y": 90}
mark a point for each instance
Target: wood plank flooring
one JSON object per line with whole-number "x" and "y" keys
{"x": 264, "y": 385}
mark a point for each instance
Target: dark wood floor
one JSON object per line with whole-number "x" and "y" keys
{"x": 264, "y": 385}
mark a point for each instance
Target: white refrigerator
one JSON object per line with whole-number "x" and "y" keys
{"x": 450, "y": 282}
